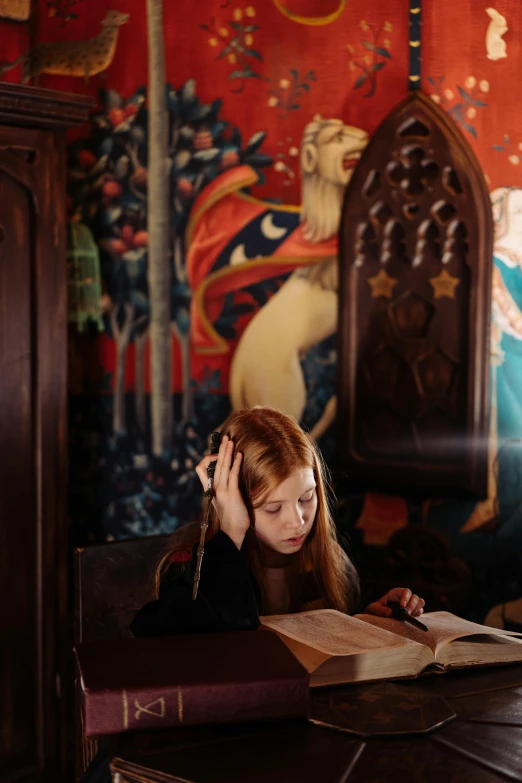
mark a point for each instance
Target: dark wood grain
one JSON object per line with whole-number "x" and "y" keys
{"x": 496, "y": 748}
{"x": 462, "y": 751}
{"x": 415, "y": 289}
{"x": 37, "y": 107}
{"x": 112, "y": 581}
{"x": 35, "y": 706}
{"x": 292, "y": 753}
{"x": 18, "y": 531}
{"x": 393, "y": 761}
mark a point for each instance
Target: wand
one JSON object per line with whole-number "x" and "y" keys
{"x": 215, "y": 440}
{"x": 399, "y": 613}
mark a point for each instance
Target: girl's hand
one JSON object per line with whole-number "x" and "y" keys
{"x": 408, "y": 600}
{"x": 228, "y": 502}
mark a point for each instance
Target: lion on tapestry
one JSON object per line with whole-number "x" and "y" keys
{"x": 266, "y": 365}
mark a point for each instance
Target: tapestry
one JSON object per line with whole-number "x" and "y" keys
{"x": 269, "y": 108}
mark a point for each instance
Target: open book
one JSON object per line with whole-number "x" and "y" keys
{"x": 336, "y": 648}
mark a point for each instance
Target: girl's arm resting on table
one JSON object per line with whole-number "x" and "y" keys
{"x": 226, "y": 599}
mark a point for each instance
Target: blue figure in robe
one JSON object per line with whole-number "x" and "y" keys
{"x": 490, "y": 533}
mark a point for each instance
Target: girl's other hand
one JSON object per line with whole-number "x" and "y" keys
{"x": 408, "y": 600}
{"x": 228, "y": 502}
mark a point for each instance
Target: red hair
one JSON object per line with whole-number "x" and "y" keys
{"x": 274, "y": 446}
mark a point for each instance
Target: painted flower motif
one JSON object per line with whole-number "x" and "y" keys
{"x": 203, "y": 140}
{"x": 279, "y": 166}
{"x": 185, "y": 187}
{"x": 250, "y": 11}
{"x": 140, "y": 239}
{"x": 223, "y": 31}
{"x": 519, "y": 145}
{"x": 293, "y": 152}
{"x": 388, "y": 27}
{"x": 272, "y": 101}
{"x": 112, "y": 189}
{"x": 249, "y": 39}
{"x": 367, "y": 59}
{"x": 230, "y": 158}
{"x": 387, "y": 43}
{"x": 471, "y": 112}
{"x": 484, "y": 85}
{"x": 470, "y": 82}
{"x": 86, "y": 159}
{"x": 435, "y": 98}
{"x": 284, "y": 84}
{"x": 213, "y": 41}
{"x": 514, "y": 159}
{"x": 238, "y": 14}
{"x": 116, "y": 116}
{"x": 232, "y": 58}
{"x": 140, "y": 175}
{"x": 449, "y": 94}
{"x": 363, "y": 25}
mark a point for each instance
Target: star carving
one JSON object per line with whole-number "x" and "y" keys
{"x": 444, "y": 285}
{"x": 382, "y": 285}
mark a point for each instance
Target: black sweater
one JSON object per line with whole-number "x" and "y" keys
{"x": 228, "y": 597}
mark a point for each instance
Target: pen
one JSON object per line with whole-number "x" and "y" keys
{"x": 399, "y": 613}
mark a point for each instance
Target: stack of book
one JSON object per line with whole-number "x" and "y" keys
{"x": 232, "y": 677}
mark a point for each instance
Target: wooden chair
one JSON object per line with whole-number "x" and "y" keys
{"x": 111, "y": 582}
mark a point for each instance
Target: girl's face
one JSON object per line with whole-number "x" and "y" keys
{"x": 286, "y": 517}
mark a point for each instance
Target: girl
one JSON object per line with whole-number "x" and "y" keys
{"x": 271, "y": 547}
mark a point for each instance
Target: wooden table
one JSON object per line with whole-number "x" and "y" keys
{"x": 483, "y": 744}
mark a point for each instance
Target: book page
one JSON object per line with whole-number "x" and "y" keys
{"x": 480, "y": 650}
{"x": 444, "y": 627}
{"x": 332, "y": 632}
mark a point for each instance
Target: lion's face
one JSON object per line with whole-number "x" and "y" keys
{"x": 339, "y": 150}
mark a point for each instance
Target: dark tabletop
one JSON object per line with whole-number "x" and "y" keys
{"x": 478, "y": 739}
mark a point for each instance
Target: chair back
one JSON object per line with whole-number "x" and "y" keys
{"x": 112, "y": 581}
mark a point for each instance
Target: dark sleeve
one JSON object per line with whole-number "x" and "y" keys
{"x": 226, "y": 600}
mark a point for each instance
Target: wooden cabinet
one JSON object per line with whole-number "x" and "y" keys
{"x": 35, "y": 619}
{"x": 415, "y": 301}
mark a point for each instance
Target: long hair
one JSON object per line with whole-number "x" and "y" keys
{"x": 273, "y": 447}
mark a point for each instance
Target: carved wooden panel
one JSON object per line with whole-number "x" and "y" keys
{"x": 415, "y": 281}
{"x": 35, "y": 643}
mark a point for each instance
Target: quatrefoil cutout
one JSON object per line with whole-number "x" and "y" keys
{"x": 412, "y": 171}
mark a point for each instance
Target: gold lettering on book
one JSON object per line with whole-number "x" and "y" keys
{"x": 148, "y": 708}
{"x": 180, "y": 706}
{"x": 125, "y": 710}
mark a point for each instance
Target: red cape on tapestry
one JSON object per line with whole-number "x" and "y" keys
{"x": 221, "y": 221}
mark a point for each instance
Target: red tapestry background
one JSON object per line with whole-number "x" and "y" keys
{"x": 290, "y": 62}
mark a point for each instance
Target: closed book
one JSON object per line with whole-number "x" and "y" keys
{"x": 135, "y": 684}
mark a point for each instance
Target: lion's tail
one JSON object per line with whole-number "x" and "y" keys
{"x": 6, "y": 66}
{"x": 237, "y": 391}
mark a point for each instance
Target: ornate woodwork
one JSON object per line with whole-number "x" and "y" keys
{"x": 35, "y": 636}
{"x": 415, "y": 282}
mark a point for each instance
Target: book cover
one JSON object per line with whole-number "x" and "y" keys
{"x": 135, "y": 684}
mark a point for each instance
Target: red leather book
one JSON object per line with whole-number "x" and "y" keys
{"x": 135, "y": 684}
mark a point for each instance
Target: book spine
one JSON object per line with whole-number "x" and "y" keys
{"x": 115, "y": 711}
